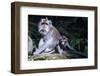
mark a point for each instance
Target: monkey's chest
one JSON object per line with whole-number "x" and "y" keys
{"x": 46, "y": 38}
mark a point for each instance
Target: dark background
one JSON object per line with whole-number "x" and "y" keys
{"x": 75, "y": 28}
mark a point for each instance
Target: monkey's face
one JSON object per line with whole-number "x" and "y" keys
{"x": 44, "y": 26}
{"x": 64, "y": 40}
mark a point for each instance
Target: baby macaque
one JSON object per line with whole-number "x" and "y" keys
{"x": 64, "y": 44}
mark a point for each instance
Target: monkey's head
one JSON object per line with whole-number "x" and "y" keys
{"x": 63, "y": 40}
{"x": 44, "y": 26}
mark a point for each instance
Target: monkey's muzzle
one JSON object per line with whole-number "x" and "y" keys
{"x": 43, "y": 30}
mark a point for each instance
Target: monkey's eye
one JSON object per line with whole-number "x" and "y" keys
{"x": 44, "y": 24}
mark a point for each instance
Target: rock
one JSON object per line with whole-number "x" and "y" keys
{"x": 47, "y": 57}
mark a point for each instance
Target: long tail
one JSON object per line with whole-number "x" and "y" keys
{"x": 72, "y": 50}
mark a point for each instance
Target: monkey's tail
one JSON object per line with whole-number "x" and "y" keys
{"x": 72, "y": 50}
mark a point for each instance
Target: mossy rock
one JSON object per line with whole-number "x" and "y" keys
{"x": 46, "y": 57}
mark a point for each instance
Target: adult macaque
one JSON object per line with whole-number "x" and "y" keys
{"x": 50, "y": 37}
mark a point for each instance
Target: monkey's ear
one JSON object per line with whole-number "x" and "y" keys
{"x": 41, "y": 20}
{"x": 50, "y": 22}
{"x": 46, "y": 19}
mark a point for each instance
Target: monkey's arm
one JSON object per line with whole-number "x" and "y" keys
{"x": 43, "y": 47}
{"x": 41, "y": 42}
{"x": 40, "y": 45}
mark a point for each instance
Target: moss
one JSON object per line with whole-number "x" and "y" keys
{"x": 47, "y": 57}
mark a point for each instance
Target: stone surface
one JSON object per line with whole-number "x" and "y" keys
{"x": 47, "y": 57}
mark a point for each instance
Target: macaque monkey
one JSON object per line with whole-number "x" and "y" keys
{"x": 65, "y": 46}
{"x": 64, "y": 43}
{"x": 50, "y": 37}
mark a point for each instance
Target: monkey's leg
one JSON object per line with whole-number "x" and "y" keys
{"x": 49, "y": 51}
{"x": 69, "y": 46}
{"x": 41, "y": 48}
{"x": 60, "y": 50}
{"x": 41, "y": 42}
